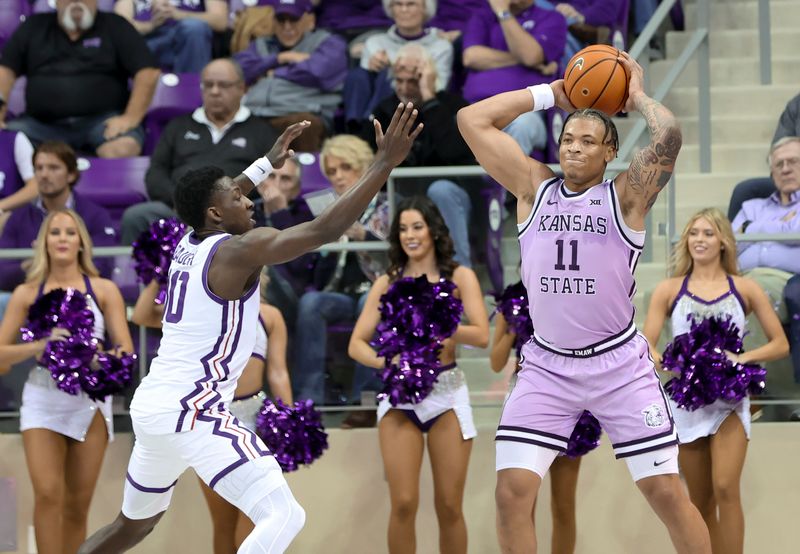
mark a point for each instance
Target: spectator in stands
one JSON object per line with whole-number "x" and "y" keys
{"x": 221, "y": 132}
{"x": 517, "y": 45}
{"x": 341, "y": 279}
{"x": 78, "y": 62}
{"x": 56, "y": 171}
{"x": 177, "y": 32}
{"x": 17, "y": 185}
{"x": 371, "y": 82}
{"x": 414, "y": 80}
{"x": 589, "y": 22}
{"x": 760, "y": 187}
{"x": 776, "y": 265}
{"x": 281, "y": 206}
{"x": 354, "y": 20}
{"x": 296, "y": 75}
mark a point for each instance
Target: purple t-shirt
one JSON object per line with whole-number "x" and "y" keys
{"x": 455, "y": 14}
{"x": 143, "y": 9}
{"x": 548, "y": 27}
{"x": 341, "y": 15}
{"x": 600, "y": 12}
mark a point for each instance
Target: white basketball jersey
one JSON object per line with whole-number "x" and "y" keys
{"x": 206, "y": 343}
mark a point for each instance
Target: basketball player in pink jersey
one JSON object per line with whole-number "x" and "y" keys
{"x": 180, "y": 410}
{"x": 580, "y": 238}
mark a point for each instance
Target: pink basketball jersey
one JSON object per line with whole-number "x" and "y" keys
{"x": 578, "y": 259}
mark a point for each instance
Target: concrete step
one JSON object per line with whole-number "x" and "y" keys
{"x": 751, "y": 100}
{"x": 784, "y": 14}
{"x": 724, "y": 129}
{"x": 744, "y": 158}
{"x": 739, "y": 43}
{"x": 733, "y": 71}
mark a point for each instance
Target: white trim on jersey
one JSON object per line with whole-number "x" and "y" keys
{"x": 545, "y": 185}
{"x": 634, "y": 239}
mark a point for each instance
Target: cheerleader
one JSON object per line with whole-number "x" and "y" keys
{"x": 713, "y": 438}
{"x": 564, "y": 471}
{"x": 64, "y": 436}
{"x": 231, "y": 526}
{"x": 419, "y": 244}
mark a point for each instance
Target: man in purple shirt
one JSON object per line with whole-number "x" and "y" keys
{"x": 515, "y": 45}
{"x": 296, "y": 75}
{"x": 778, "y": 213}
{"x": 178, "y": 32}
{"x": 56, "y": 170}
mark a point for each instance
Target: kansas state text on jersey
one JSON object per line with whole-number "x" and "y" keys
{"x": 578, "y": 258}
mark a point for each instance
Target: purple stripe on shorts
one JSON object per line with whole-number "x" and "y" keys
{"x": 210, "y": 257}
{"x": 532, "y": 432}
{"x": 226, "y": 471}
{"x": 592, "y": 350}
{"x": 206, "y": 369}
{"x": 155, "y": 490}
{"x": 646, "y": 439}
{"x": 645, "y": 450}
{"x": 532, "y": 441}
{"x": 259, "y": 356}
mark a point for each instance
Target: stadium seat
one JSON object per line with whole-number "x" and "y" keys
{"x": 313, "y": 179}
{"x": 12, "y": 13}
{"x": 175, "y": 94}
{"x": 115, "y": 183}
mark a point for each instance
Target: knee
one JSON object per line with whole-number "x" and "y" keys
{"x": 448, "y": 510}
{"x": 509, "y": 499}
{"x": 442, "y": 191}
{"x": 193, "y": 28}
{"x": 308, "y": 306}
{"x": 122, "y": 147}
{"x": 664, "y": 491}
{"x": 297, "y": 517}
{"x": 76, "y": 506}
{"x": 726, "y": 491}
{"x": 49, "y": 494}
{"x": 404, "y": 507}
{"x": 791, "y": 293}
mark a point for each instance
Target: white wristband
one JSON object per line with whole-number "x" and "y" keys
{"x": 258, "y": 170}
{"x": 543, "y": 98}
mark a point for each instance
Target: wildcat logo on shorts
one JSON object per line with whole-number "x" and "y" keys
{"x": 654, "y": 416}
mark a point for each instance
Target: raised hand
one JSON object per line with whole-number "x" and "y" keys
{"x": 636, "y": 83}
{"x": 394, "y": 145}
{"x": 562, "y": 100}
{"x": 280, "y": 151}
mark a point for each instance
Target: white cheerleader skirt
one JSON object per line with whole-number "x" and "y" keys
{"x": 450, "y": 392}
{"x": 706, "y": 421}
{"x": 45, "y": 406}
{"x": 246, "y": 409}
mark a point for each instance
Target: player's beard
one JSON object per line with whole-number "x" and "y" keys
{"x": 86, "y": 20}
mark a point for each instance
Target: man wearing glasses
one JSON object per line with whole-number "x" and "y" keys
{"x": 221, "y": 132}
{"x": 776, "y": 265}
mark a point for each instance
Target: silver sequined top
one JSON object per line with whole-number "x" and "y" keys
{"x": 687, "y": 306}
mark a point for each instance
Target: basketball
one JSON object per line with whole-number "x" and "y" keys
{"x": 596, "y": 78}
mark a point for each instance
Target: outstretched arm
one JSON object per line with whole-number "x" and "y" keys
{"x": 280, "y": 385}
{"x": 267, "y": 246}
{"x": 653, "y": 165}
{"x": 146, "y": 313}
{"x": 481, "y": 126}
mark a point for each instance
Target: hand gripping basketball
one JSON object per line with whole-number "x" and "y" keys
{"x": 598, "y": 77}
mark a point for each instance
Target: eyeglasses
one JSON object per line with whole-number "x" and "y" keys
{"x": 222, "y": 85}
{"x": 406, "y": 5}
{"x": 788, "y": 162}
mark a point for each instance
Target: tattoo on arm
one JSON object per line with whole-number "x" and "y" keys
{"x": 652, "y": 167}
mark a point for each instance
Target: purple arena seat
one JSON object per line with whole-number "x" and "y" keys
{"x": 12, "y": 13}
{"x": 313, "y": 179}
{"x": 115, "y": 184}
{"x": 16, "y": 99}
{"x": 176, "y": 94}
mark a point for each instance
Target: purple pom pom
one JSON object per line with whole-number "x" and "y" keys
{"x": 585, "y": 437}
{"x": 110, "y": 377}
{"x": 294, "y": 434}
{"x": 152, "y": 252}
{"x": 416, "y": 316}
{"x": 70, "y": 360}
{"x": 513, "y": 304}
{"x": 705, "y": 372}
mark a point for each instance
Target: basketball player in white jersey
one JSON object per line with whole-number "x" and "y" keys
{"x": 180, "y": 411}
{"x": 580, "y": 239}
